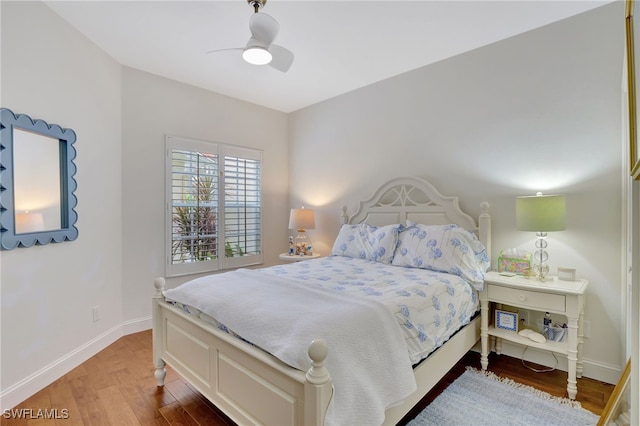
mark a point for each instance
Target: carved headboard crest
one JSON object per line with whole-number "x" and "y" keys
{"x": 416, "y": 200}
{"x": 410, "y": 198}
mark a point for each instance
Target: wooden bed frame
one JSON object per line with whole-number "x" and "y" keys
{"x": 252, "y": 387}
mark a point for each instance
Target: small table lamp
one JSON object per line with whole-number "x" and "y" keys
{"x": 541, "y": 214}
{"x": 302, "y": 219}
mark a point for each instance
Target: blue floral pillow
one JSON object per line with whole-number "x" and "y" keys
{"x": 364, "y": 241}
{"x": 443, "y": 248}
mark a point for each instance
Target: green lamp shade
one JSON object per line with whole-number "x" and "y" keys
{"x": 540, "y": 213}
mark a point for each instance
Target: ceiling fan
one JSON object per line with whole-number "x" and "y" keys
{"x": 260, "y": 49}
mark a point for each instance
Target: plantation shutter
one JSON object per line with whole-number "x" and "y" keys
{"x": 214, "y": 206}
{"x": 242, "y": 206}
{"x": 192, "y": 203}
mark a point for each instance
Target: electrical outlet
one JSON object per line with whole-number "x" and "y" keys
{"x": 96, "y": 313}
{"x": 524, "y": 317}
{"x": 586, "y": 329}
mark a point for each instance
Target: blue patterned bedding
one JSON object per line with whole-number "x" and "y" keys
{"x": 429, "y": 306}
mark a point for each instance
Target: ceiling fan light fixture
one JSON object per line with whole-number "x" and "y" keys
{"x": 260, "y": 49}
{"x": 257, "y": 55}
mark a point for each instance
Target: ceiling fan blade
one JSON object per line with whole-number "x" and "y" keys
{"x": 282, "y": 58}
{"x": 264, "y": 28}
{"x": 223, "y": 50}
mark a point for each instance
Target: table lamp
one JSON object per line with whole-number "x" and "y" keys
{"x": 540, "y": 214}
{"x": 301, "y": 220}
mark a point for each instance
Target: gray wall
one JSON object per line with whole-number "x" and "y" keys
{"x": 537, "y": 112}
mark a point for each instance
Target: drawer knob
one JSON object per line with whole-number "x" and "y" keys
{"x": 522, "y": 297}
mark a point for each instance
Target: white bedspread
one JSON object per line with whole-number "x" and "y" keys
{"x": 368, "y": 358}
{"x": 429, "y": 307}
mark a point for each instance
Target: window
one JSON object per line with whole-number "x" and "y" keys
{"x": 209, "y": 229}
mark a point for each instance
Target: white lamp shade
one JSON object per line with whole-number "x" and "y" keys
{"x": 540, "y": 213}
{"x": 302, "y": 219}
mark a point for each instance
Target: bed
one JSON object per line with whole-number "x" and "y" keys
{"x": 234, "y": 367}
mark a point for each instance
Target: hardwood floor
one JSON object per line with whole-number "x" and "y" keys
{"x": 117, "y": 387}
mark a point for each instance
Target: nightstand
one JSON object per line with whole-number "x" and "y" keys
{"x": 294, "y": 258}
{"x": 554, "y": 296}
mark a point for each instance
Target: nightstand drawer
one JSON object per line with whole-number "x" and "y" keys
{"x": 526, "y": 298}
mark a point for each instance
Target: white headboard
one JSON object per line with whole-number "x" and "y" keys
{"x": 415, "y": 199}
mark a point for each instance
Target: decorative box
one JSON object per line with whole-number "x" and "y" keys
{"x": 515, "y": 261}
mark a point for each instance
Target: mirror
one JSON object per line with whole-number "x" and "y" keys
{"x": 618, "y": 405}
{"x": 37, "y": 182}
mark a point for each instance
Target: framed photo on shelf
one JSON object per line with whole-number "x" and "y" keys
{"x": 506, "y": 320}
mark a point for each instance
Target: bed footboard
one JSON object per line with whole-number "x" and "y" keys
{"x": 247, "y": 384}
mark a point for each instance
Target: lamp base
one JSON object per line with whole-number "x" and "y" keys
{"x": 543, "y": 279}
{"x": 541, "y": 269}
{"x": 302, "y": 244}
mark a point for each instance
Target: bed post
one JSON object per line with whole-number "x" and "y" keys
{"x": 484, "y": 227}
{"x": 158, "y": 363}
{"x": 344, "y": 217}
{"x": 318, "y": 387}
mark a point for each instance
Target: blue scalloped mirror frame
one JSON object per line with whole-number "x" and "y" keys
{"x": 12, "y": 233}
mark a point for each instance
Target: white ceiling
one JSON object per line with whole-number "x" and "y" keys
{"x": 339, "y": 46}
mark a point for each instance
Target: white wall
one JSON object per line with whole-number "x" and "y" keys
{"x": 153, "y": 107}
{"x": 121, "y": 116}
{"x": 51, "y": 72}
{"x": 537, "y": 112}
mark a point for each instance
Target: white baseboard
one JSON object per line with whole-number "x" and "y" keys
{"x": 592, "y": 369}
{"x": 30, "y": 385}
{"x": 136, "y": 325}
{"x": 27, "y": 387}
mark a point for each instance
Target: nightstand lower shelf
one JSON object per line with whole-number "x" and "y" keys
{"x": 512, "y": 336}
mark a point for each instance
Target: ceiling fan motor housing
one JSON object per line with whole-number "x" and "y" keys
{"x": 256, "y": 4}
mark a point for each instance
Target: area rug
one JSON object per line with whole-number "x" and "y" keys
{"x": 482, "y": 398}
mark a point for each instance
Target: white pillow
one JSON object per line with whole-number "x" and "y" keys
{"x": 367, "y": 242}
{"x": 443, "y": 248}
